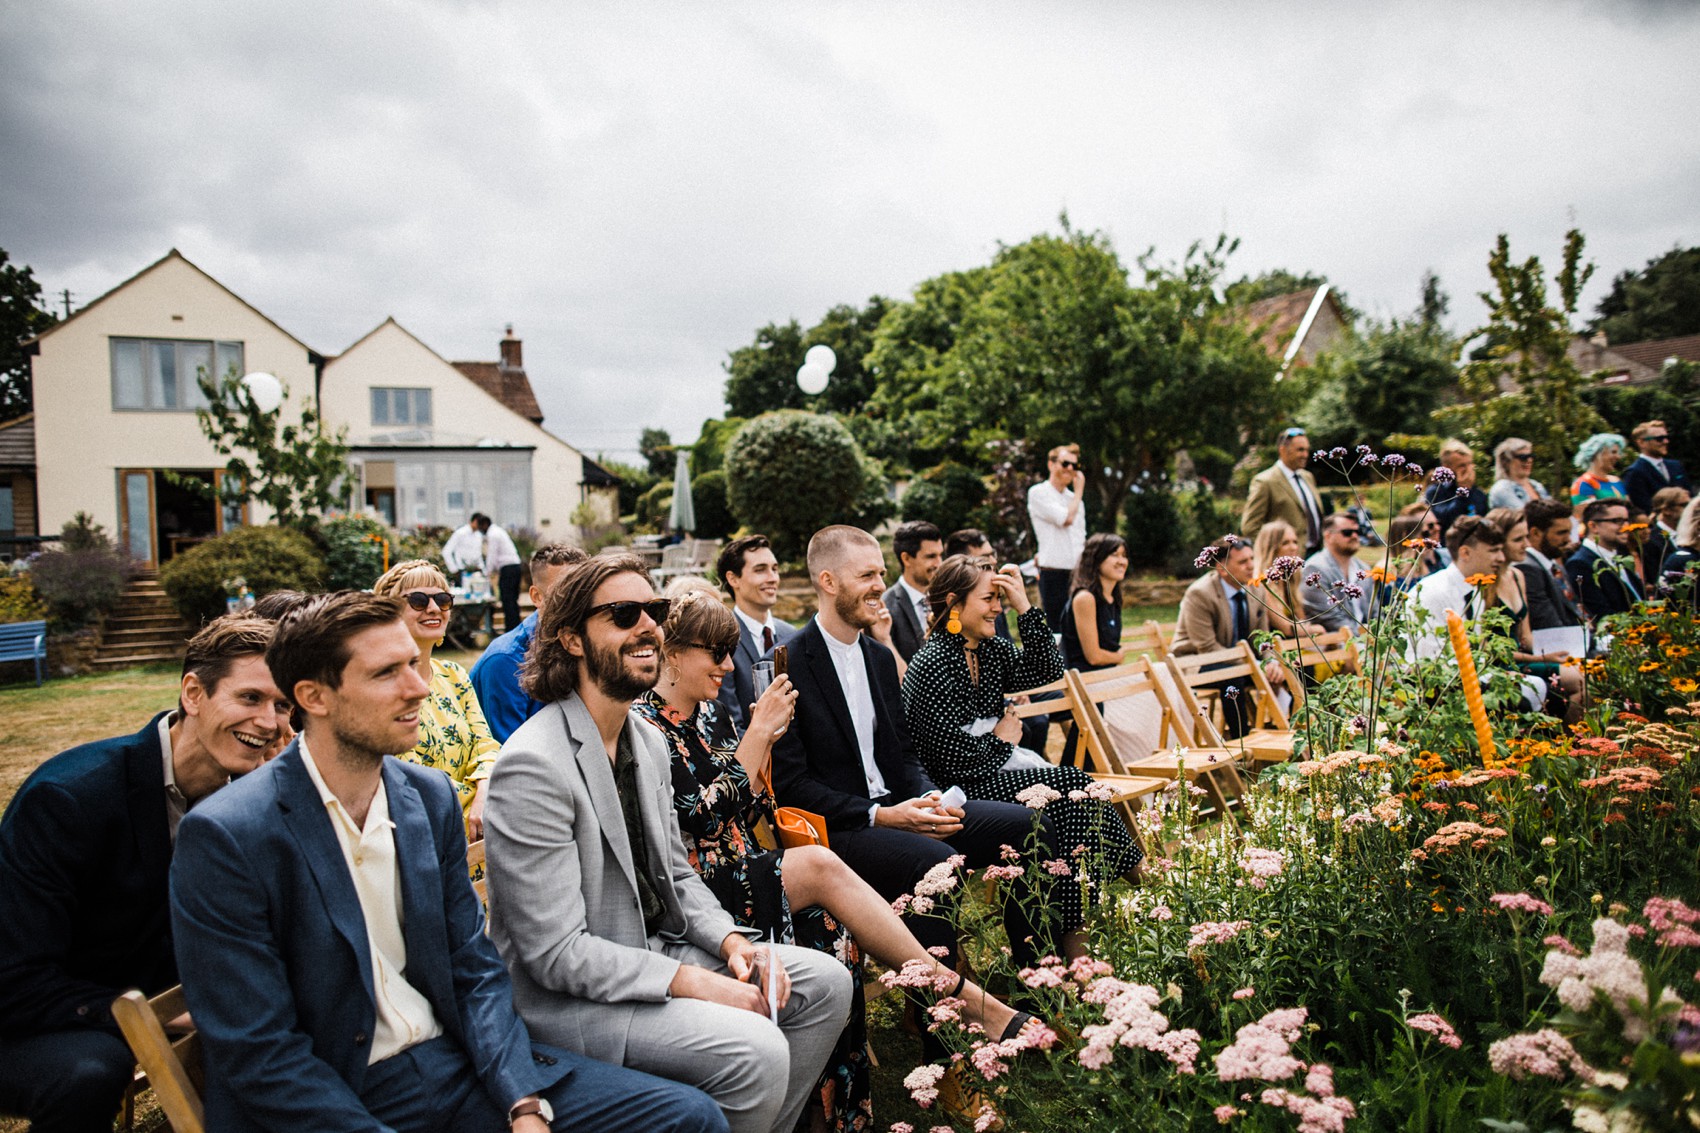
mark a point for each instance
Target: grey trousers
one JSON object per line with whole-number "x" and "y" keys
{"x": 760, "y": 1075}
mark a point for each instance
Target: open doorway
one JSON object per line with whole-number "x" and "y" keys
{"x": 163, "y": 514}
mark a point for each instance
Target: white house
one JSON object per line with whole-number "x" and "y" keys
{"x": 115, "y": 432}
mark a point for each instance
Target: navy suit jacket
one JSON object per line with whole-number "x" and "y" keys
{"x": 1641, "y": 480}
{"x": 817, "y": 764}
{"x": 84, "y": 855}
{"x": 1601, "y": 595}
{"x": 737, "y": 696}
{"x": 277, "y": 970}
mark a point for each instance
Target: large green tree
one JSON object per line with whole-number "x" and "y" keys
{"x": 1052, "y": 343}
{"x": 22, "y": 316}
{"x": 1662, "y": 300}
{"x": 762, "y": 376}
{"x": 656, "y": 448}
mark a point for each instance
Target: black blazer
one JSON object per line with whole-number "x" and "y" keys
{"x": 817, "y": 764}
{"x": 1548, "y": 607}
{"x": 1604, "y": 595}
{"x": 1641, "y": 480}
{"x": 739, "y": 693}
{"x": 85, "y": 853}
{"x": 907, "y": 632}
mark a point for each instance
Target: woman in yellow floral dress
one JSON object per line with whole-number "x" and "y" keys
{"x": 453, "y": 735}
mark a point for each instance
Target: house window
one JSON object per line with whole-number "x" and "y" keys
{"x": 393, "y": 406}
{"x": 161, "y": 374}
{"x": 459, "y": 501}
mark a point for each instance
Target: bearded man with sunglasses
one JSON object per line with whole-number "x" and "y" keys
{"x": 1054, "y": 506}
{"x": 616, "y": 947}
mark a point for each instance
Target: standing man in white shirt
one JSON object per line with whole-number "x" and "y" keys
{"x": 1059, "y": 526}
{"x": 483, "y": 546}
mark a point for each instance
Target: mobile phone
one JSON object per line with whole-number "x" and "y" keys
{"x": 781, "y": 660}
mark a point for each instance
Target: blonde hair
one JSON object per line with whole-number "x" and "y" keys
{"x": 405, "y": 576}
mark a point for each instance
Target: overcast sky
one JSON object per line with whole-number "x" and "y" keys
{"x": 638, "y": 187}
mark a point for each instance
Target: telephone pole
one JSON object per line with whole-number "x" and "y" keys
{"x": 66, "y": 296}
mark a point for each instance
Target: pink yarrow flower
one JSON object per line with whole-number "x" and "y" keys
{"x": 1263, "y": 1050}
{"x": 1215, "y": 932}
{"x": 1263, "y": 863}
{"x": 1245, "y": 993}
{"x": 1224, "y": 1114}
{"x": 1038, "y": 796}
{"x": 1543, "y": 1054}
{"x": 1438, "y": 1027}
{"x": 923, "y": 1084}
{"x": 1521, "y": 903}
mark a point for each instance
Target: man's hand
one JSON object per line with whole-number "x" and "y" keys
{"x": 750, "y": 964}
{"x": 1079, "y": 481}
{"x": 475, "y": 812}
{"x": 530, "y": 1123}
{"x": 880, "y": 631}
{"x": 921, "y": 816}
{"x": 691, "y": 982}
{"x": 1274, "y": 673}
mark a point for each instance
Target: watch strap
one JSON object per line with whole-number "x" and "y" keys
{"x": 525, "y": 1109}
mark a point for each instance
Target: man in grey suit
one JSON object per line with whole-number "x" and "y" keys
{"x": 617, "y": 949}
{"x": 919, "y": 547}
{"x": 1340, "y": 598}
{"x": 750, "y": 572}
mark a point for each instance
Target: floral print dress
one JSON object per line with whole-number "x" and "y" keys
{"x": 453, "y": 735}
{"x": 719, "y": 815}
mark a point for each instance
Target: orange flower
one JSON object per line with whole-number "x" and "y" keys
{"x": 1632, "y": 528}
{"x": 1482, "y": 579}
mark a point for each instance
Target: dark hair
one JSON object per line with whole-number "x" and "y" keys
{"x": 311, "y": 641}
{"x": 908, "y": 537}
{"x": 278, "y": 603}
{"x": 475, "y": 517}
{"x": 221, "y": 643}
{"x": 550, "y": 673}
{"x": 1467, "y": 529}
{"x": 1597, "y": 508}
{"x": 953, "y": 580}
{"x": 557, "y": 554}
{"x": 1098, "y": 548}
{"x": 699, "y": 618}
{"x": 964, "y": 541}
{"x": 1334, "y": 519}
{"x": 1668, "y": 497}
{"x": 1401, "y": 528}
{"x": 733, "y": 554}
{"x": 1542, "y": 514}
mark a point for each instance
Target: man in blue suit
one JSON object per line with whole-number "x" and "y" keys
{"x": 1602, "y": 583}
{"x": 750, "y": 572}
{"x": 85, "y": 847}
{"x": 332, "y": 948}
{"x": 1654, "y": 468}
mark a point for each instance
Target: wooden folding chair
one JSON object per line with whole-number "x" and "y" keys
{"x": 1270, "y": 737}
{"x": 173, "y": 1067}
{"x": 1335, "y": 652}
{"x": 1210, "y": 767}
{"x": 475, "y": 861}
{"x": 1151, "y": 638}
{"x": 1051, "y": 706}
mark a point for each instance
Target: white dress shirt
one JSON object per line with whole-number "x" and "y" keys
{"x": 859, "y": 697}
{"x": 464, "y": 551}
{"x": 176, "y": 803}
{"x": 1442, "y": 591}
{"x": 404, "y": 1016}
{"x": 499, "y": 550}
{"x": 1060, "y": 543}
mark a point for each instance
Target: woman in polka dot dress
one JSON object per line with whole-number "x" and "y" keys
{"x": 954, "y": 698}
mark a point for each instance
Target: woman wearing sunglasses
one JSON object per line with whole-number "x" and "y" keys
{"x": 805, "y": 895}
{"x": 453, "y": 735}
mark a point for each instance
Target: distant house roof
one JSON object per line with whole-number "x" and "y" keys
{"x": 596, "y": 476}
{"x": 1654, "y": 353}
{"x": 505, "y": 379}
{"x": 1285, "y": 318}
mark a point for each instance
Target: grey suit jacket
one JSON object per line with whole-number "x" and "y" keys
{"x": 907, "y": 632}
{"x": 563, "y": 895}
{"x": 737, "y": 694}
{"x": 1330, "y": 608}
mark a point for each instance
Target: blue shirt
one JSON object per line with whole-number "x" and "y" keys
{"x": 495, "y": 678}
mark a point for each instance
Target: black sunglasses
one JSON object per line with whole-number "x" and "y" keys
{"x": 1522, "y": 456}
{"x": 419, "y": 599}
{"x": 1068, "y": 464}
{"x": 718, "y": 652}
{"x": 624, "y": 615}
{"x": 1660, "y": 437}
{"x": 1352, "y": 532}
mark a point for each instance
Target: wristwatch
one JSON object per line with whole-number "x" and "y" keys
{"x": 530, "y": 1106}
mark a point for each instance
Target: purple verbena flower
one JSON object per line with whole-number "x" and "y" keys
{"x": 1313, "y": 579}
{"x": 1442, "y": 475}
{"x": 1393, "y": 460}
{"x": 1415, "y": 470}
{"x": 1232, "y": 692}
{"x": 1284, "y": 568}
{"x": 1339, "y": 453}
{"x": 1354, "y": 592}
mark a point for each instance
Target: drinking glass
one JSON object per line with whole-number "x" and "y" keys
{"x": 761, "y": 675}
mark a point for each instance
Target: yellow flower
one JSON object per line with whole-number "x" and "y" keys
{"x": 1684, "y": 685}
{"x": 1650, "y": 666}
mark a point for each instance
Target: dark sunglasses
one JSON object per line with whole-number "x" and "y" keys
{"x": 1352, "y": 532}
{"x": 1660, "y": 437}
{"x": 718, "y": 652}
{"x": 420, "y": 599}
{"x": 624, "y": 615}
{"x": 1522, "y": 456}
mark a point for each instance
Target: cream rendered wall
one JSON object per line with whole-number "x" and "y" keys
{"x": 461, "y": 413}
{"x": 81, "y": 441}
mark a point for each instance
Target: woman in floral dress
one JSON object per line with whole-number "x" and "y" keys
{"x": 804, "y": 895}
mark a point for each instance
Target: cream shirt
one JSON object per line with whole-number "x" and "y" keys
{"x": 404, "y": 1015}
{"x": 176, "y": 803}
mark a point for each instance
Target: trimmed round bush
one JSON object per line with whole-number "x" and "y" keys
{"x": 267, "y": 558}
{"x": 790, "y": 473}
{"x": 949, "y": 495}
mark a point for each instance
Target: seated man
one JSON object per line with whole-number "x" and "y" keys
{"x": 495, "y": 678}
{"x": 1601, "y": 571}
{"x": 85, "y": 849}
{"x": 847, "y": 755}
{"x": 617, "y": 948}
{"x": 332, "y": 948}
{"x": 1552, "y": 604}
{"x": 1216, "y": 613}
{"x": 1340, "y": 598}
{"x": 750, "y": 572}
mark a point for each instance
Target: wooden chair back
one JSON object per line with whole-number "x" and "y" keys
{"x": 173, "y": 1067}
{"x": 1151, "y": 638}
{"x": 1334, "y": 652}
{"x": 475, "y": 867}
{"x": 1197, "y": 672}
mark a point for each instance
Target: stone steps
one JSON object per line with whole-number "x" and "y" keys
{"x": 144, "y": 628}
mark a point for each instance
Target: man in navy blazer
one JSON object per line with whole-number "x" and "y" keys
{"x": 85, "y": 847}
{"x": 855, "y": 764}
{"x": 750, "y": 572}
{"x": 332, "y": 948}
{"x": 1603, "y": 586}
{"x": 1653, "y": 469}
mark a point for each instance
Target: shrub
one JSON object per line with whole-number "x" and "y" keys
{"x": 353, "y": 556}
{"x": 950, "y": 495}
{"x": 790, "y": 473}
{"x": 82, "y": 533}
{"x": 714, "y": 516}
{"x": 1151, "y": 521}
{"x": 423, "y": 542}
{"x": 269, "y": 558}
{"x": 79, "y": 586}
{"x": 651, "y": 511}
{"x": 19, "y": 601}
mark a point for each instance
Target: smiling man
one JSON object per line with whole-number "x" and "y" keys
{"x": 85, "y": 847}
{"x": 750, "y": 572}
{"x": 332, "y": 949}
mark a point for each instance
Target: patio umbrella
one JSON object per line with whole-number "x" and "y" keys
{"x": 682, "y": 515}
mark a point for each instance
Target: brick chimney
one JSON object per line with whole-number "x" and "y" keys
{"x": 510, "y": 350}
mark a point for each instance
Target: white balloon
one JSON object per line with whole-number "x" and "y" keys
{"x": 822, "y": 358}
{"x": 265, "y": 390}
{"x": 812, "y": 379}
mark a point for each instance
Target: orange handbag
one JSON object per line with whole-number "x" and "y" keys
{"x": 794, "y": 826}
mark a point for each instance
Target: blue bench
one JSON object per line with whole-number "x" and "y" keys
{"x": 25, "y": 641}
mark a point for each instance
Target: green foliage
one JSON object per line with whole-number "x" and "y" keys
{"x": 1380, "y": 379}
{"x": 656, "y": 447}
{"x": 709, "y": 453}
{"x": 424, "y": 541}
{"x": 714, "y": 514}
{"x": 82, "y": 533}
{"x": 269, "y": 558}
{"x": 22, "y": 316}
{"x": 19, "y": 601}
{"x": 295, "y": 470}
{"x": 762, "y": 377}
{"x": 354, "y": 555}
{"x": 950, "y": 495}
{"x": 634, "y": 482}
{"x": 79, "y": 587}
{"x": 1527, "y": 339}
{"x": 1249, "y": 289}
{"x": 1165, "y": 528}
{"x": 650, "y": 512}
{"x": 790, "y": 473}
{"x": 1662, "y": 300}
{"x": 1673, "y": 399}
